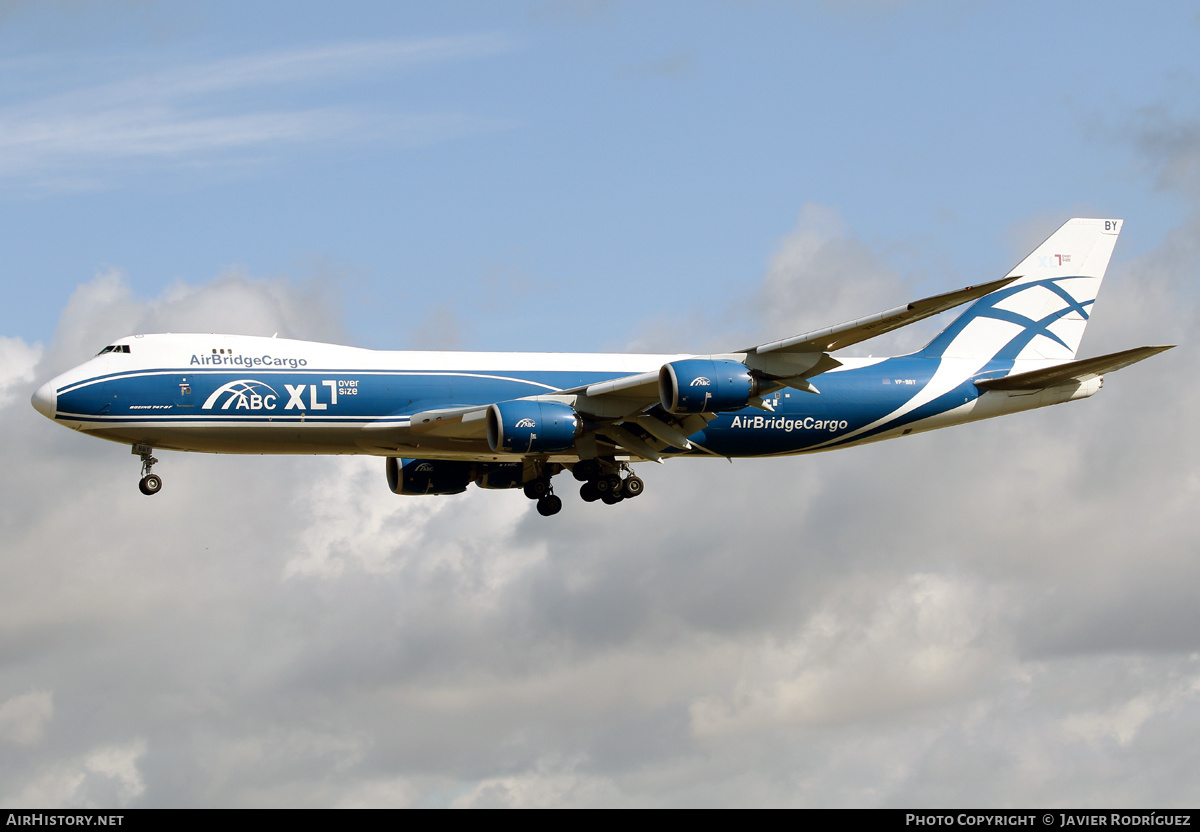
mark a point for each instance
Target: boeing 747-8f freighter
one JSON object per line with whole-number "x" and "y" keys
{"x": 444, "y": 420}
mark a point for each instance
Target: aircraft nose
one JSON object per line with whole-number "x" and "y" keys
{"x": 45, "y": 400}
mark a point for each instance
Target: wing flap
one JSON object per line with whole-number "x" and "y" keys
{"x": 1079, "y": 371}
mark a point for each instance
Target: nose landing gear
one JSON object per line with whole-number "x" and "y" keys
{"x": 149, "y": 483}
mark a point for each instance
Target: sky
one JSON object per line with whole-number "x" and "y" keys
{"x": 998, "y": 615}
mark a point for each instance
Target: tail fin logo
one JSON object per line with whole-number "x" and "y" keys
{"x": 1024, "y": 306}
{"x": 243, "y": 394}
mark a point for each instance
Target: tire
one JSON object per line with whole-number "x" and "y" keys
{"x": 549, "y": 505}
{"x": 150, "y": 484}
{"x": 586, "y": 469}
{"x": 611, "y": 498}
{"x": 589, "y": 493}
{"x": 537, "y": 489}
{"x": 633, "y": 486}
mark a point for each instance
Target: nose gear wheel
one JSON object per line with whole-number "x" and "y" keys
{"x": 150, "y": 483}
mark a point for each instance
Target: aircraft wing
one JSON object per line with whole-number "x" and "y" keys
{"x": 852, "y": 332}
{"x": 625, "y": 412}
{"x": 468, "y": 422}
{"x": 790, "y": 362}
{"x": 1079, "y": 371}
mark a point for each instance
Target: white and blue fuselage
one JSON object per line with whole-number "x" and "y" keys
{"x": 508, "y": 420}
{"x": 243, "y": 394}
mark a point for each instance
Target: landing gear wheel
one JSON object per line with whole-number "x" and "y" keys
{"x": 589, "y": 493}
{"x": 632, "y": 487}
{"x": 150, "y": 483}
{"x": 537, "y": 489}
{"x": 611, "y": 498}
{"x": 608, "y": 484}
{"x": 549, "y": 505}
{"x": 586, "y": 469}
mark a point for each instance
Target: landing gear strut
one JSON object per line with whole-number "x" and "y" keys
{"x": 149, "y": 483}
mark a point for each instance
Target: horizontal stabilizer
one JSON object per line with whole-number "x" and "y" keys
{"x": 1073, "y": 371}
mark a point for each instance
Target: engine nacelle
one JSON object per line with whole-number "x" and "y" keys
{"x": 530, "y": 427}
{"x": 699, "y": 385}
{"x": 427, "y": 476}
{"x": 500, "y": 474}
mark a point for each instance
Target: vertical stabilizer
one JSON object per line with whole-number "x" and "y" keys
{"x": 1043, "y": 313}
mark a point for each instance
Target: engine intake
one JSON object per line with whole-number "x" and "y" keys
{"x": 526, "y": 427}
{"x": 701, "y": 385}
{"x": 428, "y": 476}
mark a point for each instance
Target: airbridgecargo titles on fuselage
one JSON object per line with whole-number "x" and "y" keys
{"x": 516, "y": 420}
{"x": 789, "y": 425}
{"x": 246, "y": 361}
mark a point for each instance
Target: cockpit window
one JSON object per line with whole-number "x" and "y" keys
{"x": 114, "y": 348}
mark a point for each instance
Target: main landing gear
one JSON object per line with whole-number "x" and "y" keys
{"x": 149, "y": 483}
{"x": 609, "y": 487}
{"x": 540, "y": 490}
{"x": 602, "y": 480}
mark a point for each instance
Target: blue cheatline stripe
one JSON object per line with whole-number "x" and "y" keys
{"x": 126, "y": 374}
{"x": 947, "y": 401}
{"x": 229, "y": 419}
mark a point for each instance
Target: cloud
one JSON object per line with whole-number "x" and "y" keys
{"x": 207, "y": 111}
{"x": 553, "y": 781}
{"x": 923, "y": 641}
{"x": 23, "y": 718}
{"x": 105, "y": 308}
{"x": 17, "y": 363}
{"x": 98, "y": 779}
{"x": 998, "y": 613}
{"x": 1170, "y": 144}
{"x": 820, "y": 275}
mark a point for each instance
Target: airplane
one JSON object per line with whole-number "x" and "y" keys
{"x": 444, "y": 420}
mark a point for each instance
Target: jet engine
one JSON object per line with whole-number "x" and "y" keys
{"x": 700, "y": 385}
{"x": 525, "y": 427}
{"x": 427, "y": 476}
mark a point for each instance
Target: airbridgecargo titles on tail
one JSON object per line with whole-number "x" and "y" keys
{"x": 444, "y": 420}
